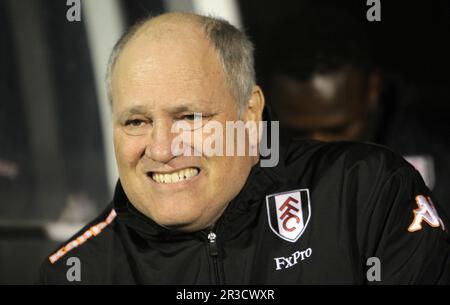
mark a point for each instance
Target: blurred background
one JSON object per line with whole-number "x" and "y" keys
{"x": 327, "y": 71}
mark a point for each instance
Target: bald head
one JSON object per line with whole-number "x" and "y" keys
{"x": 164, "y": 55}
{"x": 186, "y": 34}
{"x": 165, "y": 21}
{"x": 166, "y": 28}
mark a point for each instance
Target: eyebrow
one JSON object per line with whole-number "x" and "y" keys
{"x": 142, "y": 109}
{"x": 139, "y": 109}
{"x": 184, "y": 108}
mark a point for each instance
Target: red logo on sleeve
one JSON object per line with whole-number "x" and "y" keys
{"x": 426, "y": 211}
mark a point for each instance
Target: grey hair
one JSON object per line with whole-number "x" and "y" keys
{"x": 234, "y": 48}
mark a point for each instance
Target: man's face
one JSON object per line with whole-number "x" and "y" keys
{"x": 328, "y": 106}
{"x": 156, "y": 83}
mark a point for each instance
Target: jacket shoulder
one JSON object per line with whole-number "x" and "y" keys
{"x": 87, "y": 247}
{"x": 343, "y": 155}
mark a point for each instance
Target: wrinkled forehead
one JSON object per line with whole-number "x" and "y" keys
{"x": 174, "y": 62}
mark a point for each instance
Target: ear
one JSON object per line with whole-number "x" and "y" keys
{"x": 255, "y": 106}
{"x": 253, "y": 116}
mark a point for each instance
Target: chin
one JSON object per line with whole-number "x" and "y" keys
{"x": 168, "y": 220}
{"x": 183, "y": 225}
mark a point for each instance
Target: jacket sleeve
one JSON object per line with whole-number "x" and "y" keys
{"x": 403, "y": 227}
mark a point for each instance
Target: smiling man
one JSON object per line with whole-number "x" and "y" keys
{"x": 170, "y": 72}
{"x": 180, "y": 216}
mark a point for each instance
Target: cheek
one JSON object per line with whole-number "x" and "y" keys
{"x": 128, "y": 149}
{"x": 222, "y": 168}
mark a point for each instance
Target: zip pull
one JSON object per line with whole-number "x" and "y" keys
{"x": 212, "y": 244}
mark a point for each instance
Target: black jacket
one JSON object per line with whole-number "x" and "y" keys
{"x": 354, "y": 201}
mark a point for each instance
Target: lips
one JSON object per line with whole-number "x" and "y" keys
{"x": 176, "y": 176}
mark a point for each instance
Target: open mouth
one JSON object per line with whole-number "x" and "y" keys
{"x": 174, "y": 177}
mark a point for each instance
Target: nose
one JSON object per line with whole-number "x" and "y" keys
{"x": 159, "y": 145}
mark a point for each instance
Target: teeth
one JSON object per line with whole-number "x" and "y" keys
{"x": 168, "y": 178}
{"x": 184, "y": 174}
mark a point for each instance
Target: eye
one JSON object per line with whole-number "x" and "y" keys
{"x": 134, "y": 123}
{"x": 192, "y": 116}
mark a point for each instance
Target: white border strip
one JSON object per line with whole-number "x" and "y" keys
{"x": 226, "y": 9}
{"x": 104, "y": 26}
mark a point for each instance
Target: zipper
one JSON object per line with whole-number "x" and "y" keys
{"x": 213, "y": 251}
{"x": 214, "y": 254}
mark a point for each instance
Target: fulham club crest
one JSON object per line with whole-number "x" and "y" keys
{"x": 289, "y": 213}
